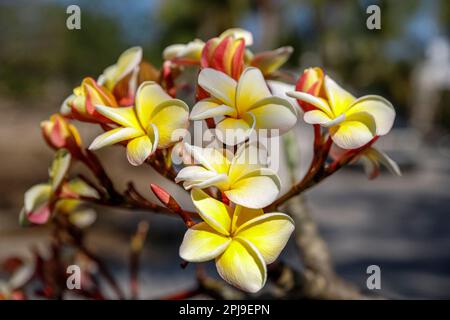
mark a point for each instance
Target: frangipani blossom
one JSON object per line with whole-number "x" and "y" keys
{"x": 352, "y": 122}
{"x": 145, "y": 127}
{"x": 244, "y": 179}
{"x": 81, "y": 104}
{"x": 246, "y": 105}
{"x": 127, "y": 63}
{"x": 371, "y": 158}
{"x": 59, "y": 133}
{"x": 241, "y": 240}
{"x": 311, "y": 81}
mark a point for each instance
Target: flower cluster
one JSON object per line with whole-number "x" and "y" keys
{"x": 234, "y": 190}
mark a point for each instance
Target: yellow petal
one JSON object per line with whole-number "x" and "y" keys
{"x": 170, "y": 117}
{"x": 318, "y": 102}
{"x": 274, "y": 113}
{"x": 59, "y": 167}
{"x": 256, "y": 189}
{"x": 215, "y": 213}
{"x": 339, "y": 99}
{"x": 351, "y": 134}
{"x": 233, "y": 131}
{"x": 139, "y": 149}
{"x": 202, "y": 243}
{"x": 242, "y": 266}
{"x": 319, "y": 117}
{"x": 219, "y": 85}
{"x": 148, "y": 97}
{"x": 242, "y": 214}
{"x": 114, "y": 136}
{"x": 127, "y": 62}
{"x": 379, "y": 108}
{"x": 268, "y": 232}
{"x": 250, "y": 89}
{"x": 124, "y": 116}
{"x": 210, "y": 108}
{"x": 212, "y": 159}
{"x": 248, "y": 157}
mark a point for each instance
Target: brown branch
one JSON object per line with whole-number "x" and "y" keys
{"x": 137, "y": 244}
{"x": 318, "y": 280}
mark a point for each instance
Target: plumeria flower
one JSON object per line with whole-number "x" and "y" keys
{"x": 124, "y": 77}
{"x": 127, "y": 63}
{"x": 244, "y": 179}
{"x": 189, "y": 53}
{"x": 59, "y": 133}
{"x": 59, "y": 196}
{"x": 246, "y": 105}
{"x": 372, "y": 159}
{"x": 311, "y": 81}
{"x": 241, "y": 240}
{"x": 147, "y": 126}
{"x": 352, "y": 122}
{"x": 81, "y": 104}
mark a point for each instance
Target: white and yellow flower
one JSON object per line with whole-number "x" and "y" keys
{"x": 241, "y": 240}
{"x": 148, "y": 125}
{"x": 127, "y": 64}
{"x": 246, "y": 105}
{"x": 352, "y": 122}
{"x": 244, "y": 179}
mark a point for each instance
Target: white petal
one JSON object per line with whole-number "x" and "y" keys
{"x": 202, "y": 243}
{"x": 242, "y": 266}
{"x": 379, "y": 108}
{"x": 210, "y": 108}
{"x": 218, "y": 85}
{"x": 114, "y": 136}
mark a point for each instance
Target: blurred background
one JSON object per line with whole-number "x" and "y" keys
{"x": 401, "y": 224}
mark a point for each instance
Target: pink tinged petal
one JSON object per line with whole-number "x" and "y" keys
{"x": 319, "y": 117}
{"x": 123, "y": 116}
{"x": 379, "y": 108}
{"x": 269, "y": 233}
{"x": 317, "y": 102}
{"x": 255, "y": 190}
{"x": 384, "y": 159}
{"x": 270, "y": 61}
{"x": 114, "y": 136}
{"x": 40, "y": 215}
{"x": 215, "y": 213}
{"x": 251, "y": 88}
{"x": 219, "y": 85}
{"x": 202, "y": 243}
{"x": 211, "y": 159}
{"x": 274, "y": 113}
{"x": 170, "y": 117}
{"x": 210, "y": 108}
{"x": 36, "y": 196}
{"x": 148, "y": 97}
{"x": 238, "y": 33}
{"x": 139, "y": 149}
{"x": 235, "y": 131}
{"x": 36, "y": 205}
{"x": 339, "y": 99}
{"x": 242, "y": 266}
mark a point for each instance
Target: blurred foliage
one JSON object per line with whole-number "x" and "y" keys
{"x": 37, "y": 48}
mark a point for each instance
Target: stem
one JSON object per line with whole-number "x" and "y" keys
{"x": 137, "y": 244}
